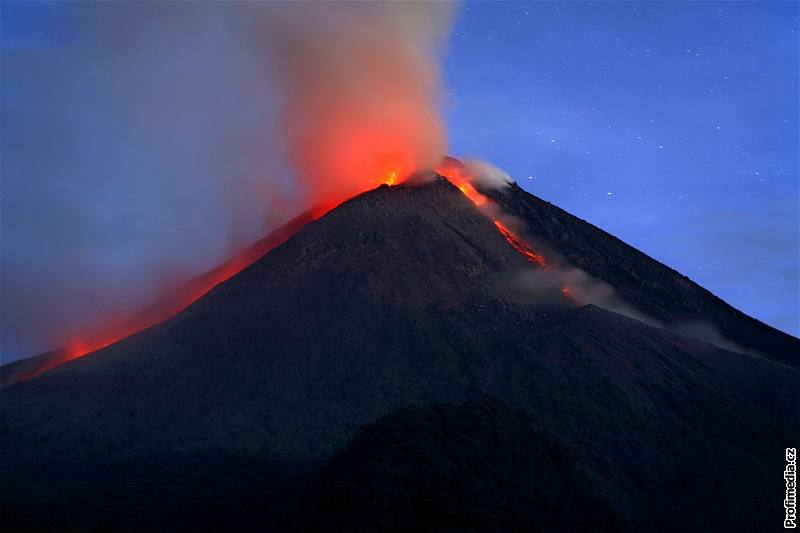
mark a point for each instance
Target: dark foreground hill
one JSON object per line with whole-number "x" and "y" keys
{"x": 479, "y": 466}
{"x": 398, "y": 297}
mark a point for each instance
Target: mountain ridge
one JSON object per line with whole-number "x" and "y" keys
{"x": 636, "y": 286}
{"x": 400, "y": 297}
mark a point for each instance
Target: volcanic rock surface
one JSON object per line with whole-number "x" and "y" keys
{"x": 401, "y": 296}
{"x": 479, "y": 466}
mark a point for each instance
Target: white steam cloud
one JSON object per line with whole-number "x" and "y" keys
{"x": 486, "y": 175}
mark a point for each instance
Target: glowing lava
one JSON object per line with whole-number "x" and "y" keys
{"x": 184, "y": 296}
{"x": 169, "y": 305}
{"x": 457, "y": 174}
{"x": 520, "y": 245}
{"x": 567, "y": 292}
{"x": 391, "y": 179}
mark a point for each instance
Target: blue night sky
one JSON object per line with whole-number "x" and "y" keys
{"x": 672, "y": 125}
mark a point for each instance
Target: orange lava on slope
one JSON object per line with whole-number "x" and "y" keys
{"x": 520, "y": 245}
{"x": 566, "y": 291}
{"x": 457, "y": 174}
{"x": 170, "y": 304}
{"x": 182, "y": 297}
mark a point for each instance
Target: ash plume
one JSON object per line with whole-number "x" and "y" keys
{"x": 358, "y": 85}
{"x": 159, "y": 139}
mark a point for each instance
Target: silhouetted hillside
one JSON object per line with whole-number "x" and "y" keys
{"x": 479, "y": 466}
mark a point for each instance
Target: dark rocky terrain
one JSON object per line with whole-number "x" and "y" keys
{"x": 221, "y": 415}
{"x": 479, "y": 466}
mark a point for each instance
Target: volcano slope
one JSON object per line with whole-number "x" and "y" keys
{"x": 400, "y": 297}
{"x": 649, "y": 286}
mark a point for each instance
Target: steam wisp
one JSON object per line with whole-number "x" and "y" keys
{"x": 551, "y": 277}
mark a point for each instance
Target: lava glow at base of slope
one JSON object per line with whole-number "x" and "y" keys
{"x": 175, "y": 301}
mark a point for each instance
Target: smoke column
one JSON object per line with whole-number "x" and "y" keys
{"x": 149, "y": 142}
{"x": 359, "y": 87}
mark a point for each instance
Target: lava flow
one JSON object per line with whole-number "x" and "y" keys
{"x": 457, "y": 174}
{"x": 171, "y": 304}
{"x": 181, "y": 298}
{"x": 520, "y": 245}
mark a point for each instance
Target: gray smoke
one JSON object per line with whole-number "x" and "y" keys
{"x": 159, "y": 138}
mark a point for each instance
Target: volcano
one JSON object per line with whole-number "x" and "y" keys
{"x": 410, "y": 310}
